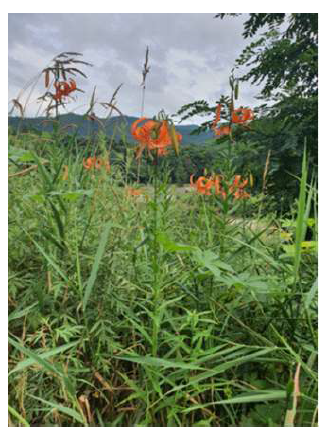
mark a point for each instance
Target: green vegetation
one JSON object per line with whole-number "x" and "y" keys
{"x": 162, "y": 310}
{"x": 283, "y": 61}
{"x": 136, "y": 299}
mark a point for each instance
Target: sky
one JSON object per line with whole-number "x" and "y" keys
{"x": 191, "y": 56}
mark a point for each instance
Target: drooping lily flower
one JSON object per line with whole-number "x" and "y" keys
{"x": 241, "y": 115}
{"x": 237, "y": 187}
{"x": 96, "y": 162}
{"x": 237, "y": 182}
{"x": 202, "y": 185}
{"x": 89, "y": 163}
{"x": 223, "y": 130}
{"x": 64, "y": 88}
{"x": 153, "y": 135}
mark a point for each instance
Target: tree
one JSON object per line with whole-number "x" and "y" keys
{"x": 285, "y": 57}
{"x": 284, "y": 60}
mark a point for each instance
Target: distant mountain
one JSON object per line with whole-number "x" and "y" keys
{"x": 118, "y": 125}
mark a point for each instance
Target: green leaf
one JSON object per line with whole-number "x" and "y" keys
{"x": 172, "y": 246}
{"x": 311, "y": 294}
{"x": 21, "y": 156}
{"x": 50, "y": 260}
{"x": 97, "y": 261}
{"x": 33, "y": 359}
{"x": 73, "y": 195}
{"x": 18, "y": 416}
{"x": 17, "y": 314}
{"x": 211, "y": 261}
{"x": 36, "y": 358}
{"x": 66, "y": 410}
{"x": 244, "y": 398}
{"x": 38, "y": 197}
{"x": 158, "y": 362}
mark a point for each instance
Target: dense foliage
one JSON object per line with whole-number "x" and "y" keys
{"x": 158, "y": 308}
{"x": 157, "y": 283}
{"x": 283, "y": 60}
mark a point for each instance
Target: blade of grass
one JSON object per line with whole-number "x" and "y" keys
{"x": 158, "y": 362}
{"x": 17, "y": 314}
{"x": 48, "y": 258}
{"x": 66, "y": 410}
{"x": 18, "y": 416}
{"x": 97, "y": 261}
{"x": 301, "y": 217}
{"x": 35, "y": 357}
{"x": 252, "y": 397}
{"x": 30, "y": 361}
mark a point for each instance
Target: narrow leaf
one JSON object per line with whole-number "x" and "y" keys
{"x": 97, "y": 261}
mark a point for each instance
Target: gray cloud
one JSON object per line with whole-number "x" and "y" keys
{"x": 191, "y": 56}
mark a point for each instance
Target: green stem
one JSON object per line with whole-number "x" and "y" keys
{"x": 155, "y": 263}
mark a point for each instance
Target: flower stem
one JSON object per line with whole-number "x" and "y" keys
{"x": 155, "y": 263}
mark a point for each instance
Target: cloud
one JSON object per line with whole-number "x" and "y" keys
{"x": 191, "y": 56}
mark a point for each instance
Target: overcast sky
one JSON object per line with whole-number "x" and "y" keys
{"x": 190, "y": 57}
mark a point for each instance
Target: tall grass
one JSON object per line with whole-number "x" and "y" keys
{"x": 154, "y": 310}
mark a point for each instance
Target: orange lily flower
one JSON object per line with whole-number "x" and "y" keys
{"x": 218, "y": 188}
{"x": 64, "y": 88}
{"x": 202, "y": 185}
{"x": 134, "y": 192}
{"x": 89, "y": 163}
{"x": 242, "y": 115}
{"x": 153, "y": 135}
{"x": 95, "y": 162}
{"x": 238, "y": 187}
{"x": 237, "y": 182}
{"x": 223, "y": 130}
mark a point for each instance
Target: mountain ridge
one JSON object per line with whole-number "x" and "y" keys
{"x": 118, "y": 124}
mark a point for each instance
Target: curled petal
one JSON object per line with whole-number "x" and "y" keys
{"x": 237, "y": 182}
{"x": 155, "y": 135}
{"x": 73, "y": 85}
{"x": 88, "y": 164}
{"x": 242, "y": 115}
{"x": 136, "y": 130}
{"x": 204, "y": 185}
